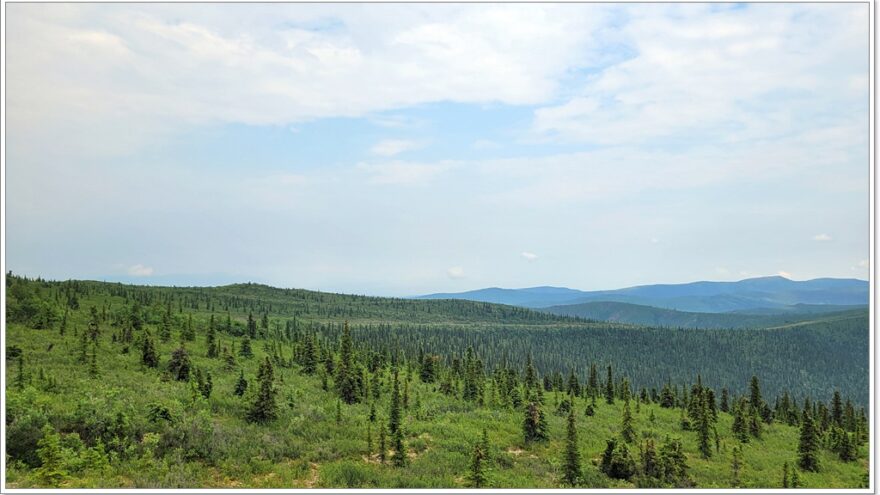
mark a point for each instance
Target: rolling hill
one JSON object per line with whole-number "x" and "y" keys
{"x": 764, "y": 293}
{"x": 658, "y": 317}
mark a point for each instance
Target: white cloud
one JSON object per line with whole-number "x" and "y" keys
{"x": 697, "y": 74}
{"x": 139, "y": 270}
{"x": 654, "y": 240}
{"x": 455, "y": 273}
{"x": 821, "y": 237}
{"x": 161, "y": 66}
{"x": 392, "y": 147}
{"x": 864, "y": 263}
{"x": 785, "y": 274}
{"x": 528, "y": 256}
{"x": 485, "y": 144}
{"x": 403, "y": 173}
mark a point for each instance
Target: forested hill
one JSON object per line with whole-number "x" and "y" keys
{"x": 113, "y": 385}
{"x": 817, "y": 359}
{"x": 659, "y": 317}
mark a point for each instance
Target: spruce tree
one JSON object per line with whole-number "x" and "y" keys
{"x": 808, "y": 445}
{"x": 179, "y": 365}
{"x": 394, "y": 408}
{"x": 93, "y": 362}
{"x": 785, "y": 475}
{"x": 264, "y": 408}
{"x": 149, "y": 357}
{"x": 399, "y": 458}
{"x": 346, "y": 383}
{"x": 310, "y": 356}
{"x": 534, "y": 423}
{"x": 736, "y": 466}
{"x": 383, "y": 448}
{"x": 241, "y": 385}
{"x": 246, "y": 351}
{"x": 477, "y": 474}
{"x": 725, "y": 405}
{"x": 837, "y": 409}
{"x": 52, "y": 470}
{"x": 571, "y": 471}
{"x": 626, "y": 429}
{"x": 609, "y": 387}
{"x": 211, "y": 339}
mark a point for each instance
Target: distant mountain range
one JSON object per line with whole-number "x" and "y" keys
{"x": 764, "y": 295}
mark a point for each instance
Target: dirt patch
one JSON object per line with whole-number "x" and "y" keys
{"x": 313, "y": 475}
{"x": 514, "y": 451}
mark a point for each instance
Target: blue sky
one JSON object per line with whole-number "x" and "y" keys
{"x": 400, "y": 149}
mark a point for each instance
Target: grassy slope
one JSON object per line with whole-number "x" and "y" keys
{"x": 305, "y": 448}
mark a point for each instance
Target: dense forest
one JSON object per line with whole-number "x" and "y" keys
{"x": 112, "y": 385}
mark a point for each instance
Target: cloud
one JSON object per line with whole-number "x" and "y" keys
{"x": 392, "y": 147}
{"x": 455, "y": 273}
{"x": 696, "y": 74}
{"x": 784, "y": 274}
{"x": 485, "y": 144}
{"x": 864, "y": 263}
{"x": 139, "y": 270}
{"x": 821, "y": 237}
{"x": 528, "y": 256}
{"x": 403, "y": 173}
{"x": 170, "y": 66}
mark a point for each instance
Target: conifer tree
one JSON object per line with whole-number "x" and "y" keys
{"x": 785, "y": 475}
{"x": 241, "y": 385}
{"x": 477, "y": 474}
{"x": 148, "y": 355}
{"x": 571, "y": 471}
{"x": 609, "y": 387}
{"x": 740, "y": 424}
{"x": 399, "y": 458}
{"x": 795, "y": 478}
{"x": 725, "y": 405}
{"x": 383, "y": 448}
{"x": 93, "y": 362}
{"x": 251, "y": 326}
{"x": 704, "y": 423}
{"x": 346, "y": 383}
{"x": 369, "y": 438}
{"x": 264, "y": 408}
{"x": 736, "y": 466}
{"x": 246, "y": 351}
{"x": 211, "y": 339}
{"x": 837, "y": 409}
{"x": 626, "y": 429}
{"x": 52, "y": 470}
{"x": 394, "y": 409}
{"x": 180, "y": 365}
{"x": 593, "y": 381}
{"x": 808, "y": 445}
{"x": 310, "y": 357}
{"x": 534, "y": 424}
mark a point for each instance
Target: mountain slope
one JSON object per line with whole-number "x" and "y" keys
{"x": 659, "y": 317}
{"x": 705, "y": 297}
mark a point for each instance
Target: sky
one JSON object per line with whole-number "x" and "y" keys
{"x": 403, "y": 149}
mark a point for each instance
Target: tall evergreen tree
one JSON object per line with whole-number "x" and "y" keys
{"x": 264, "y": 408}
{"x": 808, "y": 445}
{"x": 571, "y": 470}
{"x": 241, "y": 385}
{"x": 609, "y": 387}
{"x": 736, "y": 467}
{"x": 211, "y": 339}
{"x": 148, "y": 352}
{"x": 627, "y": 431}
{"x": 534, "y": 423}
{"x": 346, "y": 375}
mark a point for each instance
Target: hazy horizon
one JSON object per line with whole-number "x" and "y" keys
{"x": 406, "y": 149}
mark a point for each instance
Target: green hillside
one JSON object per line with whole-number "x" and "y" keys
{"x": 87, "y": 408}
